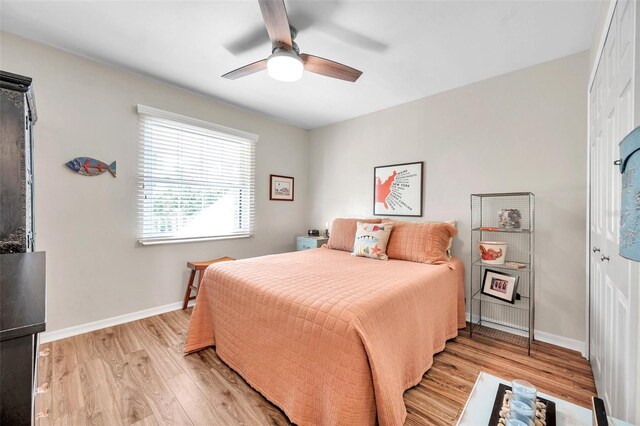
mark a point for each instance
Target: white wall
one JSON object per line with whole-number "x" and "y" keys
{"x": 523, "y": 131}
{"x": 88, "y": 226}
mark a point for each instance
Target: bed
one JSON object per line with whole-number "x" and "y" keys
{"x": 330, "y": 338}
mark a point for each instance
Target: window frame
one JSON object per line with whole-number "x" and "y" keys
{"x": 226, "y": 133}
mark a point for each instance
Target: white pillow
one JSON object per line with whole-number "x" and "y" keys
{"x": 371, "y": 240}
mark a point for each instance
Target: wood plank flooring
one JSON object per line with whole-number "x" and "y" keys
{"x": 136, "y": 374}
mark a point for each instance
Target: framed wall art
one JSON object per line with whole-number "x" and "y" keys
{"x": 280, "y": 188}
{"x": 397, "y": 189}
{"x": 499, "y": 285}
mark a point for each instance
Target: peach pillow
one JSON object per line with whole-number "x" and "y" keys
{"x": 343, "y": 233}
{"x": 455, "y": 225}
{"x": 420, "y": 242}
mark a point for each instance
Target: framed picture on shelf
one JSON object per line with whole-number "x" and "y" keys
{"x": 499, "y": 285}
{"x": 397, "y": 189}
{"x": 280, "y": 188}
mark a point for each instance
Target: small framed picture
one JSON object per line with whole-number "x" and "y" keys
{"x": 281, "y": 188}
{"x": 499, "y": 285}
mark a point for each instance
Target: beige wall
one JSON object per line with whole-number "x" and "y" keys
{"x": 523, "y": 131}
{"x": 88, "y": 226}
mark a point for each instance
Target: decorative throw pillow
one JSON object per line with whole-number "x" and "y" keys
{"x": 371, "y": 240}
{"x": 420, "y": 242}
{"x": 343, "y": 233}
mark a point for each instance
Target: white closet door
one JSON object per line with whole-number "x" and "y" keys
{"x": 613, "y": 297}
{"x": 596, "y": 227}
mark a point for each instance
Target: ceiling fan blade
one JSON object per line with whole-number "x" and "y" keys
{"x": 277, "y": 22}
{"x": 246, "y": 70}
{"x": 329, "y": 68}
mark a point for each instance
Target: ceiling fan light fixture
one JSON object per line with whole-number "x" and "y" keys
{"x": 285, "y": 66}
{"x": 286, "y": 63}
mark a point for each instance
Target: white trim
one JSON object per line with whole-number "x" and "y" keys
{"x": 157, "y": 241}
{"x": 224, "y": 132}
{"x": 587, "y": 313}
{"x": 601, "y": 42}
{"x": 565, "y": 342}
{"x": 50, "y": 336}
{"x": 554, "y": 339}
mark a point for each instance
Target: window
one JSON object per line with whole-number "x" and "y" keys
{"x": 196, "y": 179}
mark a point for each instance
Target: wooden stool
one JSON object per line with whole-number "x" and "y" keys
{"x": 198, "y": 266}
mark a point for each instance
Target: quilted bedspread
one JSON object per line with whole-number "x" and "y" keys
{"x": 330, "y": 338}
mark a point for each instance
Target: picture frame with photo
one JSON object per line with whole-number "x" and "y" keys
{"x": 280, "y": 188}
{"x": 500, "y": 285}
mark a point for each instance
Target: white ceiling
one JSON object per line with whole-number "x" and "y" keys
{"x": 406, "y": 49}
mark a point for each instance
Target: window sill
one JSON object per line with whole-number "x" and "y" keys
{"x": 158, "y": 241}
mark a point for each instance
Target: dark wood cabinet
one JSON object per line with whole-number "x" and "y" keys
{"x": 18, "y": 114}
{"x": 22, "y": 317}
{"x": 17, "y": 358}
{"x": 22, "y": 271}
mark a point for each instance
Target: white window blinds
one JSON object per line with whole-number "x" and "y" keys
{"x": 196, "y": 179}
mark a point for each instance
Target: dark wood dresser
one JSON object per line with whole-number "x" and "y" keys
{"x": 22, "y": 317}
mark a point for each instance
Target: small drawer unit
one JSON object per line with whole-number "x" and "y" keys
{"x": 306, "y": 243}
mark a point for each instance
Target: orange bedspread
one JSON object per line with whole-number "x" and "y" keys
{"x": 330, "y": 338}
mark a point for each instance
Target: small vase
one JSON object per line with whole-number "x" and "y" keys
{"x": 509, "y": 219}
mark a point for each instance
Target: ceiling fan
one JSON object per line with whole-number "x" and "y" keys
{"x": 286, "y": 63}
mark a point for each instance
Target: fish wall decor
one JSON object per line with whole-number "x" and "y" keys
{"x": 88, "y": 166}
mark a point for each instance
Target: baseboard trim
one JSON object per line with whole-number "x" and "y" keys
{"x": 565, "y": 342}
{"x": 50, "y": 336}
{"x": 554, "y": 339}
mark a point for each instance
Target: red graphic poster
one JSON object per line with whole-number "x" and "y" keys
{"x": 397, "y": 190}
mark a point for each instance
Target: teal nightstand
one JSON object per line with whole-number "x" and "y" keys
{"x": 306, "y": 243}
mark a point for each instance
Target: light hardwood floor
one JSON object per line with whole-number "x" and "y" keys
{"x": 136, "y": 374}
